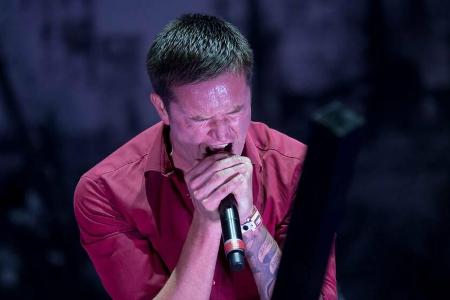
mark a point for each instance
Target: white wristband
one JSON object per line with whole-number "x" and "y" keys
{"x": 252, "y": 222}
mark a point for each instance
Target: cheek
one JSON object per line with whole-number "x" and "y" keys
{"x": 243, "y": 125}
{"x": 189, "y": 133}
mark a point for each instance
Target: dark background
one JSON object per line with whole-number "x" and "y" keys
{"x": 73, "y": 88}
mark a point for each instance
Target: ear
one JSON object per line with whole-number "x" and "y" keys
{"x": 160, "y": 107}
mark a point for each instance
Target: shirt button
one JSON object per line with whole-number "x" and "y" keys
{"x": 214, "y": 282}
{"x": 188, "y": 195}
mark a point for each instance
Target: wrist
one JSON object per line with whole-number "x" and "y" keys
{"x": 243, "y": 216}
{"x": 252, "y": 222}
{"x": 206, "y": 226}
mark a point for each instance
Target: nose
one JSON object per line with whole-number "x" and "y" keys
{"x": 220, "y": 130}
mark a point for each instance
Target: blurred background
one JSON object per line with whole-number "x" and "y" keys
{"x": 73, "y": 88}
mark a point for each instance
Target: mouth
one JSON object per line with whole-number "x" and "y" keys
{"x": 225, "y": 148}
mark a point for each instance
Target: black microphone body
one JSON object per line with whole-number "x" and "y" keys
{"x": 231, "y": 232}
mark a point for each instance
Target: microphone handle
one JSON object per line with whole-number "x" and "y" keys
{"x": 231, "y": 232}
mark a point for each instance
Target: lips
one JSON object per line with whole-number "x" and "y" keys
{"x": 225, "y": 148}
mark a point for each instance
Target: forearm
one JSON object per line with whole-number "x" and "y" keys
{"x": 263, "y": 255}
{"x": 192, "y": 277}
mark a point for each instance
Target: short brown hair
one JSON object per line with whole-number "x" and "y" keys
{"x": 194, "y": 48}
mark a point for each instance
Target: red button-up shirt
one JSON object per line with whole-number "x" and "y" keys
{"x": 134, "y": 212}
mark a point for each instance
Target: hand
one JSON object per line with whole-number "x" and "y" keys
{"x": 215, "y": 177}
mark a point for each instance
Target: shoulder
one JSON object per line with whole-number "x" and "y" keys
{"x": 114, "y": 181}
{"x": 105, "y": 193}
{"x": 133, "y": 152}
{"x": 269, "y": 141}
{"x": 282, "y": 159}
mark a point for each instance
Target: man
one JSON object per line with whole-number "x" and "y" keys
{"x": 148, "y": 213}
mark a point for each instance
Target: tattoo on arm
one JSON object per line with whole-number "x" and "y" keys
{"x": 263, "y": 255}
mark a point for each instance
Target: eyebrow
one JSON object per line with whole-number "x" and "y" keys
{"x": 236, "y": 109}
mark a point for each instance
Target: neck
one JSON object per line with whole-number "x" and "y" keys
{"x": 178, "y": 161}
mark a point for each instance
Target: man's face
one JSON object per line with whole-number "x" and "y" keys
{"x": 209, "y": 116}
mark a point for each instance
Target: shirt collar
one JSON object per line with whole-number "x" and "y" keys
{"x": 251, "y": 151}
{"x": 158, "y": 158}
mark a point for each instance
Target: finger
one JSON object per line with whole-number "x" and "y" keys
{"x": 213, "y": 200}
{"x": 222, "y": 164}
{"x": 204, "y": 164}
{"x": 217, "y": 179}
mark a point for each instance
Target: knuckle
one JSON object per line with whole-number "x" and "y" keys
{"x": 243, "y": 167}
{"x": 224, "y": 189}
{"x": 233, "y": 183}
{"x": 226, "y": 172}
{"x": 240, "y": 178}
{"x": 197, "y": 194}
{"x": 209, "y": 204}
{"x": 206, "y": 204}
{"x": 216, "y": 176}
{"x": 246, "y": 160}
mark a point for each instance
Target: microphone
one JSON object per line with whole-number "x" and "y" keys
{"x": 231, "y": 232}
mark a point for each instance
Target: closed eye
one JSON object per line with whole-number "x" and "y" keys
{"x": 199, "y": 119}
{"x": 236, "y": 110}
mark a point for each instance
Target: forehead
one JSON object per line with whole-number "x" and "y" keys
{"x": 222, "y": 92}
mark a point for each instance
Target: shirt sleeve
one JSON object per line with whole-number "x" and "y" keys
{"x": 329, "y": 287}
{"x": 281, "y": 230}
{"x": 286, "y": 207}
{"x": 127, "y": 264}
